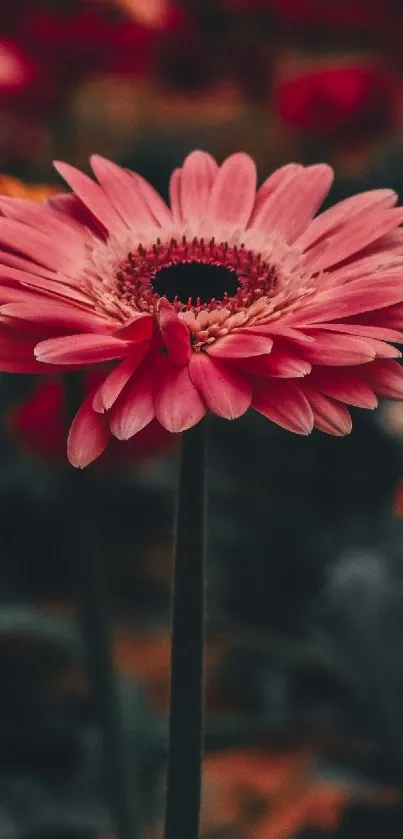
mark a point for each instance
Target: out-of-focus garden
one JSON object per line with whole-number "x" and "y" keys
{"x": 304, "y": 664}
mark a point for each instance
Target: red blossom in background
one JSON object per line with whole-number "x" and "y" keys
{"x": 24, "y": 80}
{"x": 232, "y": 298}
{"x": 72, "y": 47}
{"x": 26, "y": 90}
{"x": 348, "y": 95}
{"x": 18, "y": 72}
{"x": 52, "y": 50}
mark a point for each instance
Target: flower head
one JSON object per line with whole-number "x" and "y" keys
{"x": 229, "y": 299}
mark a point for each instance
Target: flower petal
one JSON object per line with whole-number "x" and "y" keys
{"x": 122, "y": 191}
{"x": 11, "y": 260}
{"x": 88, "y": 437}
{"x": 339, "y": 350}
{"x": 157, "y": 206}
{"x": 240, "y": 345}
{"x": 382, "y": 349}
{"x": 313, "y": 189}
{"x": 352, "y": 237}
{"x": 280, "y": 329}
{"x": 178, "y": 405}
{"x": 134, "y": 408}
{"x": 284, "y": 403}
{"x": 114, "y": 383}
{"x": 225, "y": 390}
{"x": 381, "y": 333}
{"x": 233, "y": 194}
{"x": 281, "y": 363}
{"x": 329, "y": 416}
{"x": 14, "y": 294}
{"x": 345, "y": 385}
{"x": 43, "y": 218}
{"x": 175, "y": 196}
{"x": 350, "y": 299}
{"x": 59, "y": 286}
{"x": 56, "y": 315}
{"x": 363, "y": 266}
{"x": 305, "y": 194}
{"x": 38, "y": 246}
{"x": 198, "y": 174}
{"x": 273, "y": 183}
{"x": 139, "y": 328}
{"x": 174, "y": 333}
{"x": 71, "y": 208}
{"x": 343, "y": 212}
{"x": 81, "y": 349}
{"x": 276, "y": 199}
{"x": 386, "y": 378}
{"x": 92, "y": 196}
{"x": 55, "y": 289}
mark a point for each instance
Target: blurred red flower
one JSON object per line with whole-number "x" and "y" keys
{"x": 19, "y": 73}
{"x": 39, "y": 425}
{"x": 16, "y": 69}
{"x": 331, "y": 97}
{"x": 88, "y": 42}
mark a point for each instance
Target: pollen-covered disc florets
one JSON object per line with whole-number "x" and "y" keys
{"x": 230, "y": 298}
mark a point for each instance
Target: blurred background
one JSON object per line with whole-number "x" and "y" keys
{"x": 304, "y": 728}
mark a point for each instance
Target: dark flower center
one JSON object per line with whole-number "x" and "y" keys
{"x": 195, "y": 281}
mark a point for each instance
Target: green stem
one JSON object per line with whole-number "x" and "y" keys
{"x": 187, "y": 660}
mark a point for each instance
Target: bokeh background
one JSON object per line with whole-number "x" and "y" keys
{"x": 304, "y": 730}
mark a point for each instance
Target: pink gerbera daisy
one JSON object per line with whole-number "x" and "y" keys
{"x": 229, "y": 299}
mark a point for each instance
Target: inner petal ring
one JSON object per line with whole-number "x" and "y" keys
{"x": 219, "y": 276}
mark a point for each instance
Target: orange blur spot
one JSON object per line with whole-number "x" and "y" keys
{"x": 14, "y": 188}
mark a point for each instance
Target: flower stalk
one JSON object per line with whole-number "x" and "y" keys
{"x": 187, "y": 660}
